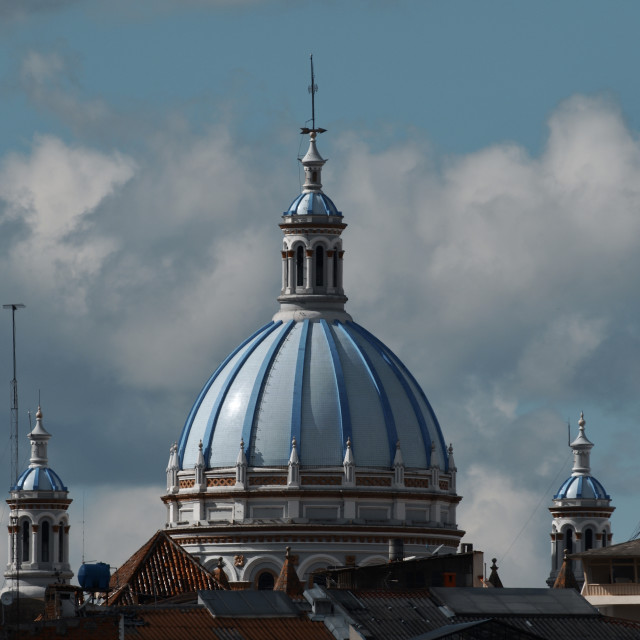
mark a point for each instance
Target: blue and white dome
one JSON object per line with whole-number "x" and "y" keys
{"x": 322, "y": 383}
{"x": 581, "y": 487}
{"x": 39, "y": 479}
{"x": 312, "y": 203}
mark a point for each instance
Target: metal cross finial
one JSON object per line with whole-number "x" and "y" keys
{"x": 313, "y": 89}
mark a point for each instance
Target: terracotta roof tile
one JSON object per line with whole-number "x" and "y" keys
{"x": 159, "y": 569}
{"x": 288, "y": 580}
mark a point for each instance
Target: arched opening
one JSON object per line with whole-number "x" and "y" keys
{"x": 61, "y": 543}
{"x": 604, "y": 538}
{"x": 26, "y": 540}
{"x": 299, "y": 266}
{"x": 588, "y": 539}
{"x": 335, "y": 269}
{"x": 314, "y": 176}
{"x": 45, "y": 540}
{"x": 568, "y": 540}
{"x": 319, "y": 266}
{"x": 266, "y": 581}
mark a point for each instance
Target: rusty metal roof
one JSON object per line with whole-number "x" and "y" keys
{"x": 160, "y": 569}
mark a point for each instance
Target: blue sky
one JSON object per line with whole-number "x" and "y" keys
{"x": 485, "y": 155}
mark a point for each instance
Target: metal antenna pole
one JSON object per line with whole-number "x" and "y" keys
{"x": 14, "y": 397}
{"x": 313, "y": 88}
{"x": 15, "y": 518}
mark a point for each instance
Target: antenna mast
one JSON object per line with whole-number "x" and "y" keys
{"x": 313, "y": 89}
{"x": 14, "y": 397}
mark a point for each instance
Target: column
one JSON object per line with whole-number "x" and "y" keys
{"x": 284, "y": 271}
{"x": 310, "y": 271}
{"x": 34, "y": 543}
{"x": 291, "y": 272}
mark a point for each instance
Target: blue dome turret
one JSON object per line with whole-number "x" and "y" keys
{"x": 38, "y": 476}
{"x": 581, "y": 485}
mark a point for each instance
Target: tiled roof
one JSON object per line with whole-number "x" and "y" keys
{"x": 159, "y": 569}
{"x": 146, "y": 623}
{"x": 94, "y": 627}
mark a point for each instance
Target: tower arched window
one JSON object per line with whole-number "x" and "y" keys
{"x": 319, "y": 266}
{"x": 299, "y": 266}
{"x": 568, "y": 540}
{"x": 26, "y": 540}
{"x": 588, "y": 539}
{"x": 61, "y": 543}
{"x": 45, "y": 541}
{"x": 604, "y": 538}
{"x": 335, "y": 268}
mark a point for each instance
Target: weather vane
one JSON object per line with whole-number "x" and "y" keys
{"x": 313, "y": 89}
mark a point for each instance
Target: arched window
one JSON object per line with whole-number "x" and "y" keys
{"x": 319, "y": 266}
{"x": 45, "y": 540}
{"x": 299, "y": 266}
{"x": 604, "y": 538}
{"x": 61, "y": 543}
{"x": 26, "y": 540}
{"x": 335, "y": 268}
{"x": 568, "y": 540}
{"x": 266, "y": 581}
{"x": 588, "y": 539}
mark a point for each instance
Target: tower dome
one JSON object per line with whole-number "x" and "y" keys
{"x": 312, "y": 431}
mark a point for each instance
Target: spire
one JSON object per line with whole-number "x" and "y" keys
{"x": 452, "y": 468}
{"x": 349, "y": 465}
{"x": 220, "y": 575}
{"x": 198, "y": 468}
{"x": 566, "y": 578}
{"x": 312, "y": 254}
{"x": 172, "y": 469}
{"x": 293, "y": 477}
{"x": 581, "y": 451}
{"x": 241, "y": 467}
{"x": 288, "y": 580}
{"x": 39, "y": 438}
{"x": 398, "y": 467}
{"x": 494, "y": 578}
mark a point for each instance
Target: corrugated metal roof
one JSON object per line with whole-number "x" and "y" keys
{"x": 630, "y": 549}
{"x": 159, "y": 569}
{"x": 405, "y": 615}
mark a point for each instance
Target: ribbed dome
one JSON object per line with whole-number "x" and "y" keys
{"x": 581, "y": 487}
{"x": 322, "y": 383}
{"x": 39, "y": 479}
{"x": 313, "y": 203}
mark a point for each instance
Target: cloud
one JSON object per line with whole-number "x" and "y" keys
{"x": 506, "y": 282}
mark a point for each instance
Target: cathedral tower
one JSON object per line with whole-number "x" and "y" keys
{"x": 39, "y": 523}
{"x": 581, "y": 511}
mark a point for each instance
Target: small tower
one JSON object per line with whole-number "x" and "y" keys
{"x": 581, "y": 511}
{"x": 39, "y": 524}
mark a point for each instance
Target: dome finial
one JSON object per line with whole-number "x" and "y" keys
{"x": 582, "y": 421}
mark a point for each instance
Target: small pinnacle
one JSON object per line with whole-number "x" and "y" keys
{"x": 39, "y": 413}
{"x": 582, "y": 421}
